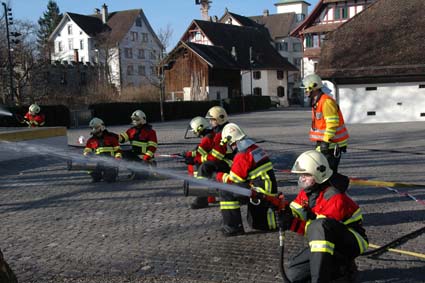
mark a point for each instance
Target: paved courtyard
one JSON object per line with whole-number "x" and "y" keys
{"x": 56, "y": 226}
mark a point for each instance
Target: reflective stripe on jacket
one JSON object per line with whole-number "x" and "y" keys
{"x": 330, "y": 203}
{"x": 328, "y": 123}
{"x": 142, "y": 139}
{"x": 107, "y": 144}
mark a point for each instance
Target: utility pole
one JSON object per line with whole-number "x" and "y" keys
{"x": 7, "y": 13}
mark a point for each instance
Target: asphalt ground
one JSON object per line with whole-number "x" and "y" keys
{"x": 57, "y": 226}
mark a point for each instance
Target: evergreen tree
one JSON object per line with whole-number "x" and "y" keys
{"x": 47, "y": 24}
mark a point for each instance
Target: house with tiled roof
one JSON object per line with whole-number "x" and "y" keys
{"x": 122, "y": 42}
{"x": 289, "y": 14}
{"x": 377, "y": 63}
{"x": 326, "y": 16}
{"x": 216, "y": 61}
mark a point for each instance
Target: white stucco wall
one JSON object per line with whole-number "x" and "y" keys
{"x": 151, "y": 45}
{"x": 397, "y": 102}
{"x": 298, "y": 8}
{"x": 67, "y": 54}
{"x": 268, "y": 84}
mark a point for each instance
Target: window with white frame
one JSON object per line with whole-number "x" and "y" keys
{"x": 130, "y": 70}
{"x": 69, "y": 29}
{"x": 81, "y": 44}
{"x": 280, "y": 74}
{"x": 340, "y": 13}
{"x": 257, "y": 91}
{"x": 59, "y": 46}
{"x": 128, "y": 53}
{"x": 134, "y": 36}
{"x": 256, "y": 75}
{"x": 70, "y": 44}
{"x": 145, "y": 37}
{"x": 296, "y": 47}
{"x": 141, "y": 70}
{"x": 282, "y": 46}
{"x": 141, "y": 54}
{"x": 138, "y": 22}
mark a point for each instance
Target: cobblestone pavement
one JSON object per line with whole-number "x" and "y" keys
{"x": 56, "y": 226}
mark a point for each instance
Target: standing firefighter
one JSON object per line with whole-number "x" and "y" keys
{"x": 142, "y": 139}
{"x": 251, "y": 167}
{"x": 194, "y": 158}
{"x": 327, "y": 128}
{"x": 219, "y": 159}
{"x": 102, "y": 143}
{"x": 329, "y": 218}
{"x": 34, "y": 118}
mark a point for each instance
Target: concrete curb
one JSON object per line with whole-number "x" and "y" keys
{"x": 32, "y": 133}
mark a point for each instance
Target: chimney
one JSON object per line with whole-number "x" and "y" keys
{"x": 76, "y": 59}
{"x": 205, "y": 6}
{"x": 215, "y": 19}
{"x": 104, "y": 13}
{"x": 266, "y": 13}
{"x": 96, "y": 11}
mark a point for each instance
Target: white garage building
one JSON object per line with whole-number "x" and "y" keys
{"x": 377, "y": 63}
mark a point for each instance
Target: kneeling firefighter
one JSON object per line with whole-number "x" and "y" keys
{"x": 251, "y": 167}
{"x": 102, "y": 143}
{"x": 194, "y": 158}
{"x": 143, "y": 141}
{"x": 328, "y": 217}
{"x": 219, "y": 159}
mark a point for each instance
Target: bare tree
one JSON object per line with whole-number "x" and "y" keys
{"x": 107, "y": 53}
{"x": 165, "y": 35}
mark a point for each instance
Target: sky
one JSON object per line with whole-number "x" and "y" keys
{"x": 160, "y": 13}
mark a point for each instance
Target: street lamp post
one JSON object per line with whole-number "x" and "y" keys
{"x": 7, "y": 13}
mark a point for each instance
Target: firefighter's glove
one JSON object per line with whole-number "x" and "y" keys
{"x": 284, "y": 218}
{"x": 324, "y": 147}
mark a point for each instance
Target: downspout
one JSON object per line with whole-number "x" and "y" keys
{"x": 120, "y": 67}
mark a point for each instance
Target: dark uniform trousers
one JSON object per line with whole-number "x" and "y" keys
{"x": 314, "y": 265}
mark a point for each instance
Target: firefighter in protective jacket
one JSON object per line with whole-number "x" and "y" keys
{"x": 328, "y": 217}
{"x": 251, "y": 167}
{"x": 328, "y": 129}
{"x": 142, "y": 139}
{"x": 219, "y": 158}
{"x": 33, "y": 118}
{"x": 194, "y": 158}
{"x": 201, "y": 128}
{"x": 102, "y": 143}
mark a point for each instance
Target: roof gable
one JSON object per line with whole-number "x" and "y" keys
{"x": 384, "y": 40}
{"x": 240, "y": 39}
{"x": 279, "y": 25}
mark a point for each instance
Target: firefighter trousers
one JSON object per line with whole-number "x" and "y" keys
{"x": 260, "y": 217}
{"x": 332, "y": 248}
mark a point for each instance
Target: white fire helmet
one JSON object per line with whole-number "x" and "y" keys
{"x": 198, "y": 125}
{"x": 312, "y": 82}
{"x": 218, "y": 113}
{"x": 97, "y": 126}
{"x": 314, "y": 163}
{"x": 232, "y": 133}
{"x": 138, "y": 118}
{"x": 34, "y": 109}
